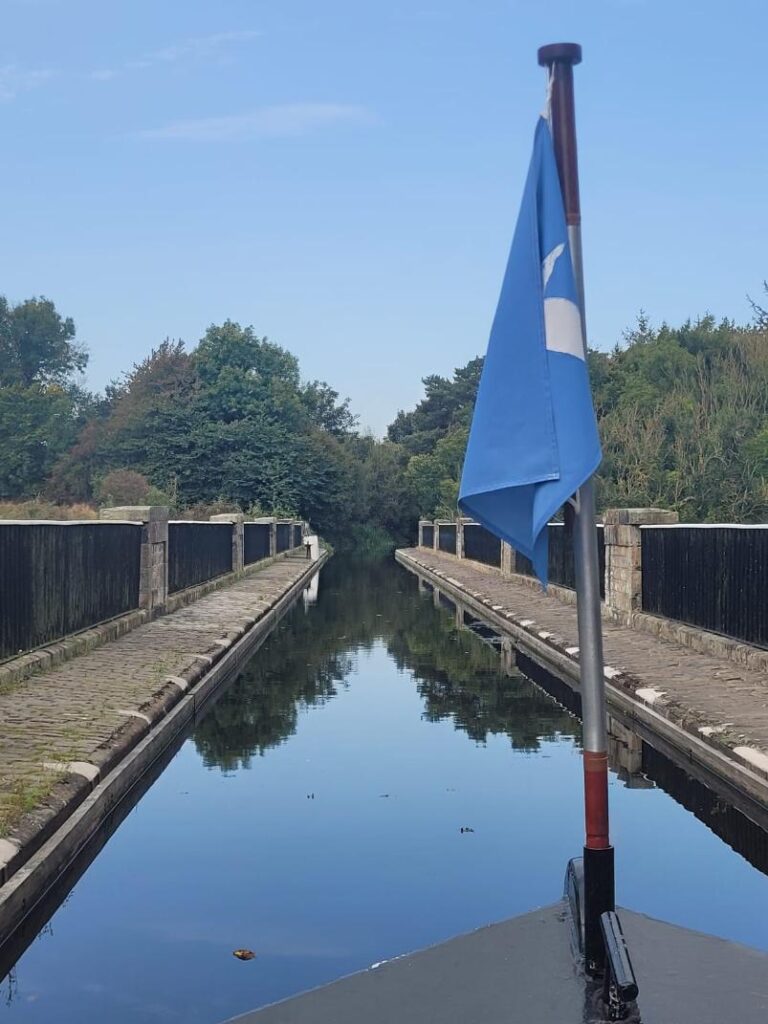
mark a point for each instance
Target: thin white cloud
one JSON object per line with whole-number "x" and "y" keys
{"x": 14, "y": 79}
{"x": 200, "y": 48}
{"x": 279, "y": 121}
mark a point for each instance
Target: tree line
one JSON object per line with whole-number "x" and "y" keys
{"x": 682, "y": 412}
{"x": 231, "y": 424}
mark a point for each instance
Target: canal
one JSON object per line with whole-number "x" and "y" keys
{"x": 378, "y": 779}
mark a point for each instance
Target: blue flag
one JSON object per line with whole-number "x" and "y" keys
{"x": 533, "y": 440}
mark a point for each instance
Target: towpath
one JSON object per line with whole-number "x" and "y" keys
{"x": 718, "y": 709}
{"x": 63, "y": 729}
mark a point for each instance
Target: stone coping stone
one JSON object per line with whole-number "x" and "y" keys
{"x": 136, "y": 513}
{"x": 71, "y": 522}
{"x": 639, "y": 516}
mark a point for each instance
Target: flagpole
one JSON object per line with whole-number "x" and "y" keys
{"x": 560, "y": 58}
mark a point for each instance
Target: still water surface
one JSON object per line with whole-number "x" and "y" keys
{"x": 315, "y": 817}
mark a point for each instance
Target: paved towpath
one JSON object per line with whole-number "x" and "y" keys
{"x": 59, "y": 723}
{"x": 715, "y": 699}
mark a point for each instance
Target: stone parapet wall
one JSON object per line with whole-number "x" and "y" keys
{"x": 623, "y": 554}
{"x": 624, "y": 586}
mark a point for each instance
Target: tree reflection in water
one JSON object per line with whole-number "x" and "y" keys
{"x": 313, "y": 652}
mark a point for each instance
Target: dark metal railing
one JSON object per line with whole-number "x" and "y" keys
{"x": 297, "y": 535}
{"x": 560, "y": 565}
{"x": 59, "y": 578}
{"x": 708, "y": 576}
{"x": 197, "y": 552}
{"x": 284, "y": 538}
{"x": 480, "y": 545}
{"x": 255, "y": 542}
{"x": 446, "y": 538}
{"x": 428, "y": 536}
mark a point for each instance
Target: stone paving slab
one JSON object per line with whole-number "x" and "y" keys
{"x": 722, "y": 703}
{"x": 58, "y": 727}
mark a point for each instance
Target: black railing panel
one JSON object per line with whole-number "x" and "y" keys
{"x": 561, "y": 568}
{"x": 297, "y": 535}
{"x": 428, "y": 536}
{"x": 481, "y": 545}
{"x": 446, "y": 539}
{"x": 59, "y": 578}
{"x": 197, "y": 552}
{"x": 708, "y": 576}
{"x": 255, "y": 542}
{"x": 284, "y": 536}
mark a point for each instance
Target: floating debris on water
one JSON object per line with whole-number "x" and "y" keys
{"x": 244, "y": 954}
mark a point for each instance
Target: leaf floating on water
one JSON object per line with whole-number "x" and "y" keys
{"x": 466, "y": 828}
{"x": 244, "y": 954}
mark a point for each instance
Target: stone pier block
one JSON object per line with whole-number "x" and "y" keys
{"x": 624, "y": 554}
{"x": 153, "y": 572}
{"x": 508, "y": 559}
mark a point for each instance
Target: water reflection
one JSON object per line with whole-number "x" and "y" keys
{"x": 308, "y": 659}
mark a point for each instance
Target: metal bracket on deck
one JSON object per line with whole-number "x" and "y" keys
{"x": 619, "y": 983}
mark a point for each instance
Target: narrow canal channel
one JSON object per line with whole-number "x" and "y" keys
{"x": 374, "y": 782}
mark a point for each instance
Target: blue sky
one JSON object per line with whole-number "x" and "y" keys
{"x": 345, "y": 175}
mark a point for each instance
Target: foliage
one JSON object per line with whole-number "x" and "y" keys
{"x": 683, "y": 416}
{"x": 446, "y": 406}
{"x": 37, "y": 346}
{"x": 41, "y": 406}
{"x": 39, "y": 508}
{"x": 434, "y": 435}
{"x": 684, "y": 420}
{"x": 229, "y": 424}
{"x": 127, "y": 487}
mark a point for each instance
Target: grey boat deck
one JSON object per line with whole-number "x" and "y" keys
{"x": 522, "y": 971}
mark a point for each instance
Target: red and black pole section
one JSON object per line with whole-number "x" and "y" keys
{"x": 599, "y": 897}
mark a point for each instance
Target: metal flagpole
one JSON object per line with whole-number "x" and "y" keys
{"x": 598, "y": 852}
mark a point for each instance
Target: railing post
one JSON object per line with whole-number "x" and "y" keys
{"x": 273, "y": 538}
{"x": 422, "y": 524}
{"x": 624, "y": 555}
{"x": 237, "y": 519}
{"x": 459, "y": 537}
{"x": 435, "y": 535}
{"x": 153, "y": 575}
{"x": 508, "y": 565}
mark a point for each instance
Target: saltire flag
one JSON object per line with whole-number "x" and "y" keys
{"x": 533, "y": 440}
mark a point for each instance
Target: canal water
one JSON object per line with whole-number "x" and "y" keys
{"x": 378, "y": 779}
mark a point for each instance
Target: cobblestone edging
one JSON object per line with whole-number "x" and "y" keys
{"x": 14, "y": 670}
{"x": 44, "y": 842}
{"x": 733, "y": 751}
{"x": 701, "y": 640}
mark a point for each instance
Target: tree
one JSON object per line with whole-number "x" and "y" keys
{"x": 37, "y": 346}
{"x": 41, "y": 406}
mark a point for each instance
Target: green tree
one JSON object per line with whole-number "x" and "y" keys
{"x": 37, "y": 346}
{"x": 41, "y": 406}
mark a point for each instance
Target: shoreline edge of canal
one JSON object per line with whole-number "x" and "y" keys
{"x": 92, "y": 801}
{"x": 670, "y": 728}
